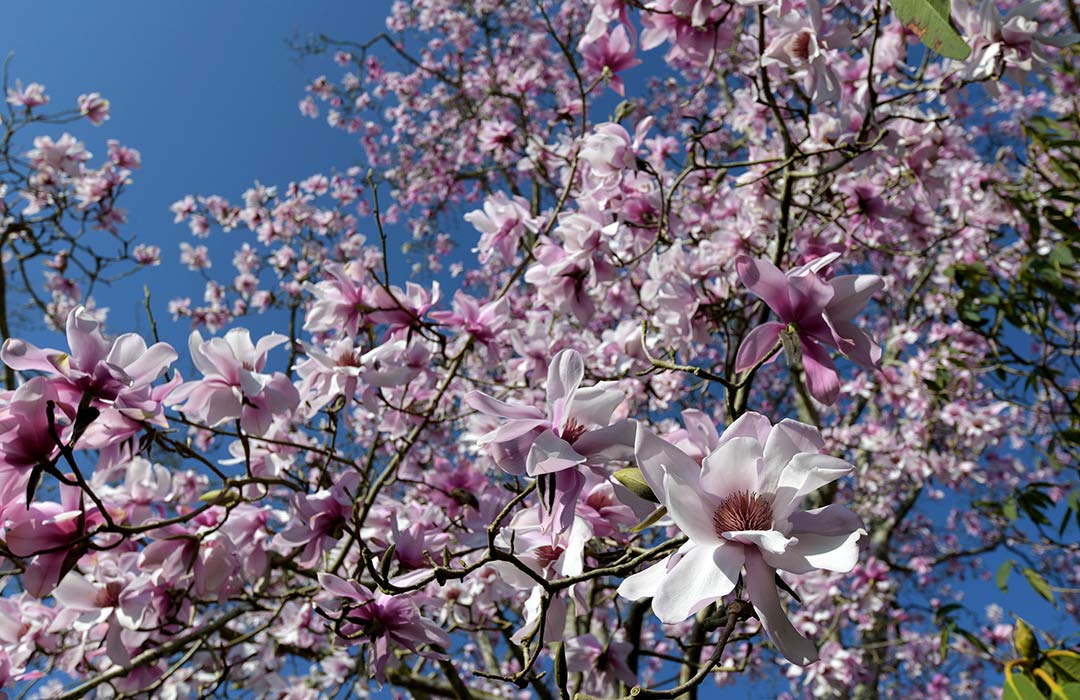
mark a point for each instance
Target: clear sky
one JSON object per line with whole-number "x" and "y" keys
{"x": 207, "y": 90}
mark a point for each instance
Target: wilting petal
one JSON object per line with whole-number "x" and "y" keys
{"x": 703, "y": 575}
{"x": 757, "y": 344}
{"x": 761, "y": 586}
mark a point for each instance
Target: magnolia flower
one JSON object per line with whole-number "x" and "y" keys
{"x": 233, "y": 384}
{"x": 740, "y": 513}
{"x": 575, "y": 429}
{"x": 818, "y": 312}
{"x": 381, "y": 620}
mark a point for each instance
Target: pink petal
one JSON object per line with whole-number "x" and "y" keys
{"x": 757, "y": 344}
{"x": 594, "y": 405}
{"x": 656, "y": 456}
{"x": 550, "y": 453}
{"x": 767, "y": 282}
{"x": 821, "y": 378}
{"x": 491, "y": 406}
{"x": 851, "y": 293}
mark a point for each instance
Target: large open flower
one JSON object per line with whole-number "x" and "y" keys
{"x": 740, "y": 510}
{"x": 819, "y": 312}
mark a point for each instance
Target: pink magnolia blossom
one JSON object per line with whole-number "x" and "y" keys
{"x": 740, "y": 513}
{"x": 818, "y": 312}
{"x": 30, "y": 96}
{"x": 612, "y": 53}
{"x": 94, "y": 107}
{"x": 381, "y": 620}
{"x": 575, "y": 430}
{"x": 234, "y": 384}
{"x": 111, "y": 371}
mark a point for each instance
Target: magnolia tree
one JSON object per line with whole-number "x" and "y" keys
{"x": 701, "y": 374}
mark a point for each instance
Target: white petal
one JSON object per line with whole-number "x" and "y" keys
{"x": 787, "y": 439}
{"x": 703, "y": 575}
{"x": 690, "y": 508}
{"x": 749, "y": 424}
{"x": 769, "y": 541}
{"x": 656, "y": 456}
{"x": 761, "y": 586}
{"x": 804, "y": 474}
{"x": 551, "y": 454}
{"x": 643, "y": 584}
{"x": 564, "y": 377}
{"x": 732, "y": 467}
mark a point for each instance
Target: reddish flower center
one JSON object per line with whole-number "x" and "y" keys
{"x": 743, "y": 510}
{"x": 572, "y": 431}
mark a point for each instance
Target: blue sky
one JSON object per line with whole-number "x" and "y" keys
{"x": 207, "y": 91}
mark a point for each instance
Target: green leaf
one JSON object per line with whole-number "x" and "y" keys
{"x": 1065, "y": 664}
{"x": 1020, "y": 687}
{"x": 1071, "y": 691}
{"x": 651, "y": 520}
{"x": 1039, "y": 584}
{"x": 631, "y": 478}
{"x": 1001, "y": 578}
{"x": 929, "y": 20}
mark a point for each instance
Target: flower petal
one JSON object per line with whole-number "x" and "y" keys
{"x": 491, "y": 406}
{"x": 732, "y": 467}
{"x": 828, "y": 538}
{"x": 655, "y": 456}
{"x": 761, "y": 586}
{"x": 767, "y": 282}
{"x": 644, "y": 583}
{"x": 757, "y": 344}
{"x": 804, "y": 474}
{"x": 787, "y": 439}
{"x": 550, "y": 453}
{"x": 703, "y": 575}
{"x": 821, "y": 378}
{"x": 564, "y": 377}
{"x": 851, "y": 293}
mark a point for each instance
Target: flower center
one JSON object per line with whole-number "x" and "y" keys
{"x": 743, "y": 510}
{"x": 572, "y": 431}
